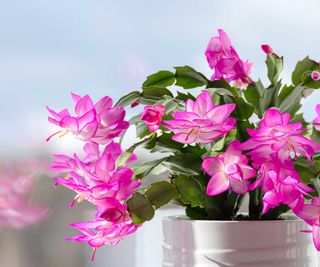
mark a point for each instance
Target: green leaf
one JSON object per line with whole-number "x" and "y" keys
{"x": 142, "y": 130}
{"x": 291, "y": 103}
{"x": 302, "y": 66}
{"x": 243, "y": 109}
{"x": 270, "y": 97}
{"x": 315, "y": 136}
{"x": 162, "y": 78}
{"x": 220, "y": 91}
{"x": 161, "y": 193}
{"x": 306, "y": 170}
{"x": 184, "y": 97}
{"x": 275, "y": 66}
{"x": 140, "y": 208}
{"x": 196, "y": 213}
{"x": 128, "y": 99}
{"x": 191, "y": 191}
{"x": 170, "y": 104}
{"x": 155, "y": 92}
{"x": 147, "y": 168}
{"x": 218, "y": 146}
{"x": 186, "y": 164}
{"x": 188, "y": 78}
{"x": 253, "y": 94}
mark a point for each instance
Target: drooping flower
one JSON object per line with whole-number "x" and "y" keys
{"x": 315, "y": 75}
{"x": 93, "y": 181}
{"x": 228, "y": 170}
{"x": 98, "y": 122}
{"x": 98, "y": 233}
{"x": 267, "y": 49}
{"x": 316, "y": 121}
{"x": 311, "y": 214}
{"x": 276, "y": 136}
{"x": 202, "y": 121}
{"x": 225, "y": 61}
{"x": 280, "y": 184}
{"x": 152, "y": 116}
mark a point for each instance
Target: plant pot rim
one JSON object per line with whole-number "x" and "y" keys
{"x": 286, "y": 218}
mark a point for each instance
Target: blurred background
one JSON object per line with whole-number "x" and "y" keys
{"x": 104, "y": 47}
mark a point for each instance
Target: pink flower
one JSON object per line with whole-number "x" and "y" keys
{"x": 93, "y": 181}
{"x": 152, "y": 116}
{"x": 311, "y": 214}
{"x": 316, "y": 121}
{"x": 276, "y": 136}
{"x": 225, "y": 61}
{"x": 267, "y": 49}
{"x": 315, "y": 75}
{"x": 98, "y": 122}
{"x": 228, "y": 170}
{"x": 202, "y": 121}
{"x": 99, "y": 232}
{"x": 280, "y": 183}
{"x": 110, "y": 209}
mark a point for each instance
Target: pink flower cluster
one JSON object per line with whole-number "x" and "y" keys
{"x": 202, "y": 121}
{"x": 16, "y": 208}
{"x": 98, "y": 178}
{"x": 225, "y": 61}
{"x": 271, "y": 148}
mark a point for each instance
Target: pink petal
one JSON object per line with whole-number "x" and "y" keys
{"x": 84, "y": 105}
{"x": 102, "y": 104}
{"x": 70, "y": 123}
{"x": 218, "y": 184}
{"x": 219, "y": 113}
{"x": 212, "y": 165}
{"x": 203, "y": 103}
{"x": 240, "y": 187}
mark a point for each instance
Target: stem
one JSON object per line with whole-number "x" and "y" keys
{"x": 255, "y": 204}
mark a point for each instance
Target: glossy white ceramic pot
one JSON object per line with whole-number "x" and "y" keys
{"x": 190, "y": 243}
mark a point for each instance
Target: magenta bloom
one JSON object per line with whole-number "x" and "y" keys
{"x": 280, "y": 183}
{"x": 315, "y": 75}
{"x": 228, "y": 170}
{"x": 152, "y": 116}
{"x": 316, "y": 121}
{"x": 225, "y": 61}
{"x": 202, "y": 121}
{"x": 276, "y": 136}
{"x": 267, "y": 49}
{"x": 93, "y": 181}
{"x": 311, "y": 214}
{"x": 98, "y": 122}
{"x": 100, "y": 232}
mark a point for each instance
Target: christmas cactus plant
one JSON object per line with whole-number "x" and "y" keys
{"x": 217, "y": 140}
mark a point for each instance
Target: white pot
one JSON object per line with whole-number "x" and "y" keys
{"x": 190, "y": 243}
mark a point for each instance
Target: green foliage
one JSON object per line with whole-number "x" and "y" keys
{"x": 128, "y": 99}
{"x": 144, "y": 169}
{"x": 189, "y": 78}
{"x": 302, "y": 66}
{"x": 140, "y": 208}
{"x": 190, "y": 189}
{"x": 162, "y": 78}
{"x": 307, "y": 171}
{"x": 275, "y": 66}
{"x": 161, "y": 193}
